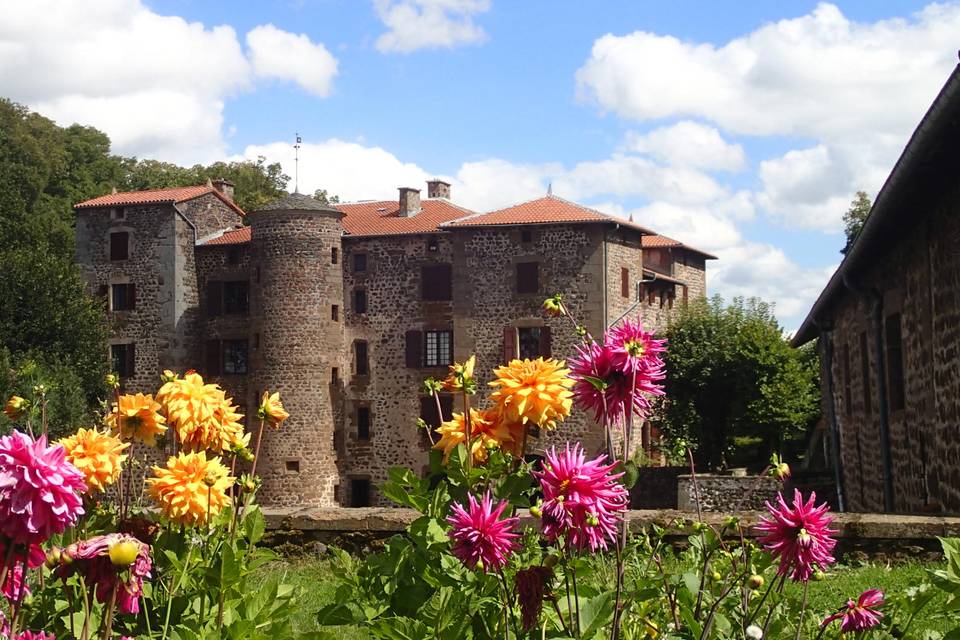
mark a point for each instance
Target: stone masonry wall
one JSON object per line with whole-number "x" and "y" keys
{"x": 623, "y": 252}
{"x": 726, "y": 493}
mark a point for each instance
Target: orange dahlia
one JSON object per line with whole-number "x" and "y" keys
{"x": 533, "y": 391}
{"x": 190, "y": 488}
{"x": 139, "y": 419}
{"x": 271, "y": 409}
{"x": 201, "y": 414}
{"x": 97, "y": 455}
{"x": 486, "y": 430}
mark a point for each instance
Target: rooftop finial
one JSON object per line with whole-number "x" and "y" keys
{"x": 296, "y": 163}
{"x": 550, "y": 188}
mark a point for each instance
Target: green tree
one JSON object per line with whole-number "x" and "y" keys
{"x": 855, "y": 217}
{"x": 322, "y": 196}
{"x": 732, "y": 374}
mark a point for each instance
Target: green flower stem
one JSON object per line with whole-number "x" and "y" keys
{"x": 803, "y": 609}
{"x": 108, "y": 620}
{"x": 763, "y": 599}
{"x": 466, "y": 430}
{"x": 173, "y": 591}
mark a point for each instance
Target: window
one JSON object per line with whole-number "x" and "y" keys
{"x": 433, "y": 245}
{"x": 236, "y": 296}
{"x": 530, "y": 342}
{"x": 847, "y": 384}
{"x": 625, "y": 282}
{"x": 528, "y": 277}
{"x": 671, "y": 295}
{"x": 118, "y": 214}
{"x": 292, "y": 466}
{"x": 363, "y": 423}
{"x": 359, "y": 300}
{"x": 234, "y": 356}
{"x": 334, "y": 375}
{"x": 437, "y": 282}
{"x": 335, "y": 313}
{"x": 256, "y": 345}
{"x": 122, "y": 297}
{"x": 334, "y": 255}
{"x": 119, "y": 245}
{"x": 233, "y": 255}
{"x": 362, "y": 367}
{"x": 359, "y": 262}
{"x": 359, "y": 492}
{"x": 256, "y": 276}
{"x": 526, "y": 236}
{"x": 437, "y": 348}
{"x": 123, "y": 359}
{"x": 865, "y": 373}
{"x": 894, "y": 341}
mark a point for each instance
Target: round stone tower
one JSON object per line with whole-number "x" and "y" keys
{"x": 297, "y": 279}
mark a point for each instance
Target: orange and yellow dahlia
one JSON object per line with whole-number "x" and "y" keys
{"x": 532, "y": 391}
{"x": 139, "y": 418}
{"x": 190, "y": 488}
{"x": 271, "y": 409}
{"x": 98, "y": 455}
{"x": 201, "y": 414}
{"x": 486, "y": 430}
{"x": 15, "y": 407}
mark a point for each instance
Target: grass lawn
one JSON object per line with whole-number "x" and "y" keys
{"x": 318, "y": 578}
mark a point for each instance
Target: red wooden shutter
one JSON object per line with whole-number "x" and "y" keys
{"x": 131, "y": 363}
{"x": 545, "y": 341}
{"x": 214, "y": 359}
{"x": 625, "y": 282}
{"x": 214, "y": 298}
{"x": 131, "y": 296}
{"x": 509, "y": 344}
{"x": 414, "y": 348}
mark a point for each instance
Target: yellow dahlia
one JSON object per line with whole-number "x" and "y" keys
{"x": 15, "y": 407}
{"x": 533, "y": 391}
{"x": 97, "y": 455}
{"x": 201, "y": 414}
{"x": 486, "y": 430}
{"x": 190, "y": 488}
{"x": 461, "y": 375}
{"x": 139, "y": 418}
{"x": 271, "y": 409}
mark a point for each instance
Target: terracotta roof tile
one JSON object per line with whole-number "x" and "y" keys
{"x": 658, "y": 241}
{"x": 170, "y": 195}
{"x": 237, "y": 236}
{"x": 547, "y": 210}
{"x": 381, "y": 218}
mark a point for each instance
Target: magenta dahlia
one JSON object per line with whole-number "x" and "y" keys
{"x": 634, "y": 349}
{"x": 799, "y": 535}
{"x": 582, "y": 500}
{"x": 860, "y": 615}
{"x": 480, "y": 538}
{"x": 93, "y": 560}
{"x": 35, "y": 635}
{"x": 39, "y": 490}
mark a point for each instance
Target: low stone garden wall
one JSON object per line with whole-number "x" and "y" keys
{"x": 725, "y": 493}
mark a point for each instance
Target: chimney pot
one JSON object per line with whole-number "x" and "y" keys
{"x": 223, "y": 186}
{"x": 409, "y": 202}
{"x": 438, "y": 189}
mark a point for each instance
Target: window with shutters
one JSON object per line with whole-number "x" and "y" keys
{"x": 235, "y": 356}
{"x": 359, "y": 301}
{"x": 236, "y": 297}
{"x": 528, "y": 277}
{"x": 530, "y": 343}
{"x": 865, "y": 373}
{"x": 437, "y": 348}
{"x": 359, "y": 262}
{"x": 123, "y": 359}
{"x": 437, "y": 282}
{"x": 359, "y": 492}
{"x": 119, "y": 245}
{"x": 625, "y": 282}
{"x": 363, "y": 423}
{"x": 122, "y": 297}
{"x": 894, "y": 349}
{"x": 360, "y": 358}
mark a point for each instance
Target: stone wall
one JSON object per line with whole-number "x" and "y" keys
{"x": 623, "y": 252}
{"x": 725, "y": 493}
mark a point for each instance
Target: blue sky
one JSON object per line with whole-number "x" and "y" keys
{"x": 743, "y": 128}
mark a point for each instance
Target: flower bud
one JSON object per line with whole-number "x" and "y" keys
{"x": 783, "y": 471}
{"x": 112, "y": 380}
{"x": 754, "y": 632}
{"x": 124, "y": 553}
{"x": 819, "y": 576}
{"x": 536, "y": 512}
{"x": 15, "y": 407}
{"x": 716, "y": 577}
{"x": 755, "y": 581}
{"x": 53, "y": 558}
{"x": 249, "y": 486}
{"x": 479, "y": 566}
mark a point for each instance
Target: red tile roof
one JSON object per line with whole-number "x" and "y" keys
{"x": 546, "y": 210}
{"x": 657, "y": 241}
{"x": 170, "y": 195}
{"x": 381, "y": 218}
{"x": 237, "y": 236}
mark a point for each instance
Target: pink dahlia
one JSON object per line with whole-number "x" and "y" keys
{"x": 35, "y": 635}
{"x": 582, "y": 500}
{"x": 799, "y": 535}
{"x": 480, "y": 538}
{"x": 11, "y": 584}
{"x": 859, "y": 615}
{"x": 634, "y": 349}
{"x": 39, "y": 490}
{"x": 92, "y": 559}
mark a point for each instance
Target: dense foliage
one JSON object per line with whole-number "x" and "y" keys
{"x": 855, "y": 217}
{"x": 733, "y": 374}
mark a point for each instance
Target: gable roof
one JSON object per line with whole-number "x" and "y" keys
{"x": 549, "y": 209}
{"x": 382, "y": 217}
{"x": 234, "y": 236}
{"x": 658, "y": 242}
{"x": 170, "y": 195}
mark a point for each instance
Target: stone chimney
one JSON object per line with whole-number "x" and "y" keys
{"x": 409, "y": 202}
{"x": 438, "y": 189}
{"x": 223, "y": 186}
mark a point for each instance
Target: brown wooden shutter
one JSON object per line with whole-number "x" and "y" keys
{"x": 131, "y": 363}
{"x": 509, "y": 344}
{"x": 528, "y": 277}
{"x": 625, "y": 282}
{"x": 214, "y": 297}
{"x": 131, "y": 296}
{"x": 214, "y": 358}
{"x": 414, "y": 348}
{"x": 685, "y": 294}
{"x": 545, "y": 341}
{"x": 119, "y": 241}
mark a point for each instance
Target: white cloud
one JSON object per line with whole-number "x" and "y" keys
{"x": 156, "y": 84}
{"x": 855, "y": 89}
{"x": 279, "y": 54}
{"x": 429, "y": 24}
{"x": 689, "y": 144}
{"x": 629, "y": 175}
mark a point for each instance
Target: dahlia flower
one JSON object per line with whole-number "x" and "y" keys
{"x": 35, "y": 635}
{"x": 480, "y": 538}
{"x": 201, "y": 414}
{"x": 486, "y": 430}
{"x": 530, "y": 585}
{"x": 15, "y": 407}
{"x": 138, "y": 417}
{"x": 97, "y": 455}
{"x": 799, "y": 535}
{"x": 634, "y": 349}
{"x": 271, "y": 409}
{"x": 860, "y": 615}
{"x": 532, "y": 391}
{"x": 582, "y": 500}
{"x": 189, "y": 487}
{"x": 461, "y": 375}
{"x": 91, "y": 558}
{"x": 39, "y": 490}
{"x": 10, "y": 588}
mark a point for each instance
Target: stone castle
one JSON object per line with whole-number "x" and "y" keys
{"x": 346, "y": 309}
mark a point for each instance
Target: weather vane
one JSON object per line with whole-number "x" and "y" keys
{"x": 296, "y": 163}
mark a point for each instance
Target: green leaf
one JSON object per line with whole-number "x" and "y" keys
{"x": 340, "y": 613}
{"x": 595, "y": 613}
{"x": 254, "y": 524}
